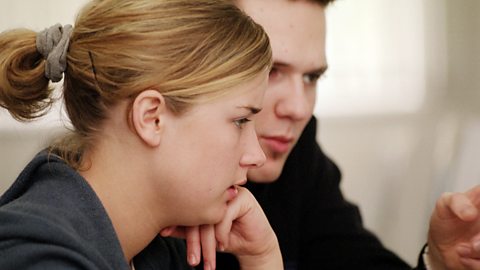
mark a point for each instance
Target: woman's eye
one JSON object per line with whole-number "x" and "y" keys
{"x": 274, "y": 72}
{"x": 241, "y": 122}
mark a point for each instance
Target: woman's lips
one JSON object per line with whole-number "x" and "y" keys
{"x": 277, "y": 144}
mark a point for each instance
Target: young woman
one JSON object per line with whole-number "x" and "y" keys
{"x": 160, "y": 95}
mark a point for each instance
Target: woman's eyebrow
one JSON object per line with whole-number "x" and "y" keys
{"x": 252, "y": 109}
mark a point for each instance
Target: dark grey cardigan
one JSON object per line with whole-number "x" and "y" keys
{"x": 50, "y": 218}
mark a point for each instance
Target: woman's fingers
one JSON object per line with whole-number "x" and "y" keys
{"x": 209, "y": 246}
{"x": 236, "y": 209}
{"x": 192, "y": 237}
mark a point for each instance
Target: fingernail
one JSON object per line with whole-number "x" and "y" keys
{"x": 220, "y": 246}
{"x": 207, "y": 266}
{"x": 192, "y": 259}
{"x": 468, "y": 212}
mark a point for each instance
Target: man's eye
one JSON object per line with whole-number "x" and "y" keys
{"x": 241, "y": 122}
{"x": 311, "y": 78}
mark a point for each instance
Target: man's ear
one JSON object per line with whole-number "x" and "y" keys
{"x": 147, "y": 112}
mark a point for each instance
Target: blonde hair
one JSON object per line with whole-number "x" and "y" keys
{"x": 189, "y": 50}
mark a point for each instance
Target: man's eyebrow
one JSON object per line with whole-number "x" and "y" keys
{"x": 252, "y": 109}
{"x": 318, "y": 71}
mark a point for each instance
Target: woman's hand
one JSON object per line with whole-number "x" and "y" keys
{"x": 244, "y": 232}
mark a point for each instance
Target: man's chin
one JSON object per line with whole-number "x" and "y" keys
{"x": 268, "y": 173}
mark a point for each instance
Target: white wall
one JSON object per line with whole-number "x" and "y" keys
{"x": 399, "y": 110}
{"x": 37, "y": 14}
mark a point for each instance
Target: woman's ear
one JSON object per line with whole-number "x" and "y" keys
{"x": 147, "y": 112}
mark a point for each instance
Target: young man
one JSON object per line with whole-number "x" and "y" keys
{"x": 301, "y": 196}
{"x": 298, "y": 186}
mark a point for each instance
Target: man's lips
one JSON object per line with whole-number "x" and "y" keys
{"x": 278, "y": 144}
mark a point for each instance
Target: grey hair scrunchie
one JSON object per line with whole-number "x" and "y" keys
{"x": 52, "y": 43}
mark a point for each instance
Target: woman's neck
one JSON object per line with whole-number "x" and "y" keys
{"x": 117, "y": 176}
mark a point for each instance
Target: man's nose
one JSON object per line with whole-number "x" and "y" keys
{"x": 294, "y": 100}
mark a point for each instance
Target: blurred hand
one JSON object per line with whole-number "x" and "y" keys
{"x": 454, "y": 235}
